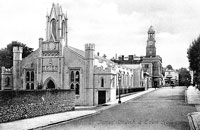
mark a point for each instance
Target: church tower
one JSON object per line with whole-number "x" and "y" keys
{"x": 151, "y": 48}
{"x": 50, "y": 62}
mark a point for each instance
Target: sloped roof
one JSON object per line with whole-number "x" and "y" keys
{"x": 30, "y": 57}
{"x": 80, "y": 52}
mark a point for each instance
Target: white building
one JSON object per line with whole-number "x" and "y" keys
{"x": 171, "y": 77}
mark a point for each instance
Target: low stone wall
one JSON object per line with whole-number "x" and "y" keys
{"x": 23, "y": 104}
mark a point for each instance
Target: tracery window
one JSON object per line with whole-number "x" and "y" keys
{"x": 75, "y": 81}
{"x": 29, "y": 79}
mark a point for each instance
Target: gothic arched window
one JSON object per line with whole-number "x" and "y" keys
{"x": 32, "y": 76}
{"x": 27, "y": 76}
{"x": 77, "y": 76}
{"x": 7, "y": 80}
{"x": 72, "y": 86}
{"x": 72, "y": 76}
{"x": 32, "y": 86}
{"x": 75, "y": 81}
{"x": 29, "y": 79}
{"x": 27, "y": 86}
{"x": 53, "y": 28}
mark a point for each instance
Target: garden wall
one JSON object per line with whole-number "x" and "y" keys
{"x": 23, "y": 104}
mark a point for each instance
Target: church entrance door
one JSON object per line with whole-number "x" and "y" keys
{"x": 50, "y": 85}
{"x": 101, "y": 97}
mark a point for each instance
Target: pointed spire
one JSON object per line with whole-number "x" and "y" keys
{"x": 151, "y": 29}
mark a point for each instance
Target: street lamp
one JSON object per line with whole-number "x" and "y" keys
{"x": 119, "y": 79}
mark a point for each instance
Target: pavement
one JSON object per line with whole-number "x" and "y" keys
{"x": 162, "y": 109}
{"x": 53, "y": 119}
{"x": 193, "y": 98}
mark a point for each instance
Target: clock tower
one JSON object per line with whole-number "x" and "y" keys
{"x": 151, "y": 48}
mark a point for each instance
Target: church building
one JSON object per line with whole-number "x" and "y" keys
{"x": 56, "y": 65}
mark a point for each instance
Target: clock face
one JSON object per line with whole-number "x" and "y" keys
{"x": 51, "y": 46}
{"x": 150, "y": 43}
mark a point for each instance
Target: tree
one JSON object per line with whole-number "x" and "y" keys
{"x": 193, "y": 55}
{"x": 6, "y": 54}
{"x": 184, "y": 77}
{"x": 26, "y": 50}
{"x": 169, "y": 67}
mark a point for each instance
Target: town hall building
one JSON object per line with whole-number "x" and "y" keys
{"x": 151, "y": 63}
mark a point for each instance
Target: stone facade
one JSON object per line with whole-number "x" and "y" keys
{"x": 152, "y": 60}
{"x": 56, "y": 65}
{"x": 22, "y": 104}
{"x": 151, "y": 63}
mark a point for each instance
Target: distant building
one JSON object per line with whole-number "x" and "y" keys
{"x": 171, "y": 77}
{"x": 151, "y": 63}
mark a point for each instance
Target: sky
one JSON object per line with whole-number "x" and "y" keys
{"x": 114, "y": 26}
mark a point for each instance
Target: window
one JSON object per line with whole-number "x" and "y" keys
{"x": 32, "y": 86}
{"x": 75, "y": 81}
{"x": 102, "y": 82}
{"x": 77, "y": 76}
{"x": 72, "y": 76}
{"x": 77, "y": 89}
{"x": 27, "y": 76}
{"x": 27, "y": 86}
{"x": 7, "y": 81}
{"x": 72, "y": 86}
{"x": 32, "y": 76}
{"x": 53, "y": 28}
{"x": 29, "y": 79}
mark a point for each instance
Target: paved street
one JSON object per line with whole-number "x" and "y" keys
{"x": 163, "y": 109}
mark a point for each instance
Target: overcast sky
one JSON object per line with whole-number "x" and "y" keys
{"x": 115, "y": 26}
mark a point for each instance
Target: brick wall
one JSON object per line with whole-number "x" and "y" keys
{"x": 23, "y": 104}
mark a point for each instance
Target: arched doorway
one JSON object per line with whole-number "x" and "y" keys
{"x": 50, "y": 85}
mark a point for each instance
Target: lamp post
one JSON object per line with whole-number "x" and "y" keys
{"x": 119, "y": 79}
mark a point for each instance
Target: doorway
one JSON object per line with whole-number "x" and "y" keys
{"x": 50, "y": 85}
{"x": 101, "y": 97}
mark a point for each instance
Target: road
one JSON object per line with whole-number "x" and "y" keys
{"x": 162, "y": 109}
